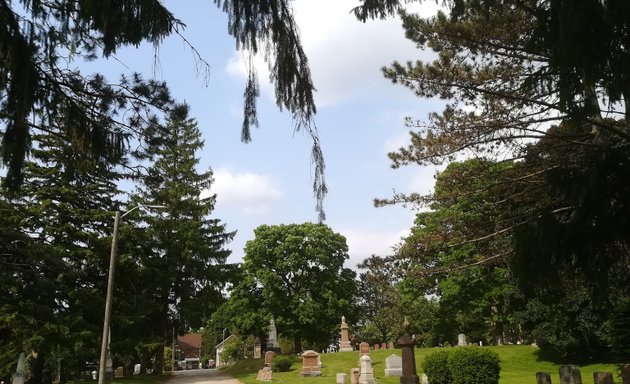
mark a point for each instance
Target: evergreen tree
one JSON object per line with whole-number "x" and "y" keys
{"x": 181, "y": 254}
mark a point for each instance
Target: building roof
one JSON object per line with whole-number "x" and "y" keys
{"x": 190, "y": 341}
{"x": 221, "y": 343}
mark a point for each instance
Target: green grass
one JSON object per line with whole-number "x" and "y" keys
{"x": 519, "y": 364}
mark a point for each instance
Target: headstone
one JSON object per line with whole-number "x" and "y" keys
{"x": 264, "y": 374}
{"x": 570, "y": 374}
{"x": 310, "y": 366}
{"x": 406, "y": 344}
{"x": 390, "y": 345}
{"x": 425, "y": 379}
{"x": 345, "y": 345}
{"x": 366, "y": 375}
{"x": 137, "y": 369}
{"x": 272, "y": 340}
{"x": 461, "y": 340}
{"x": 18, "y": 376}
{"x": 354, "y": 375}
{"x": 383, "y": 345}
{"x": 543, "y": 378}
{"x": 257, "y": 350}
{"x": 364, "y": 349}
{"x": 269, "y": 355}
{"x": 341, "y": 378}
{"x": 393, "y": 366}
{"x": 119, "y": 372}
{"x": 625, "y": 373}
{"x": 603, "y": 378}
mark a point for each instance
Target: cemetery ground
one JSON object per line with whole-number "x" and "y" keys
{"x": 519, "y": 364}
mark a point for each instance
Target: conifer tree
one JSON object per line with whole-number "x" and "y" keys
{"x": 182, "y": 253}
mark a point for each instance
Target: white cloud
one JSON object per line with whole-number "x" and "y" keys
{"x": 363, "y": 243}
{"x": 345, "y": 55}
{"x": 251, "y": 193}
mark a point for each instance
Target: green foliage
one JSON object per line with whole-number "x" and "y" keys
{"x": 435, "y": 366}
{"x": 471, "y": 365}
{"x": 619, "y": 330}
{"x": 233, "y": 350}
{"x": 281, "y": 363}
{"x": 277, "y": 280}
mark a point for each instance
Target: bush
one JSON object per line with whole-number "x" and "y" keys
{"x": 462, "y": 365}
{"x": 474, "y": 366}
{"x": 435, "y": 366}
{"x": 281, "y": 363}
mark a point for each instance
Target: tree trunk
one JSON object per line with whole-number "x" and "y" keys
{"x": 37, "y": 369}
{"x": 158, "y": 367}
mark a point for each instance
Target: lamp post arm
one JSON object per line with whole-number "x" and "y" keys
{"x": 108, "y": 301}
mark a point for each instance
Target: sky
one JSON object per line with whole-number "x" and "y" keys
{"x": 360, "y": 119}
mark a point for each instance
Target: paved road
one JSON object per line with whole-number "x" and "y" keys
{"x": 201, "y": 376}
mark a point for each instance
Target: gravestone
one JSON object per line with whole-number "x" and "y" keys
{"x": 119, "y": 372}
{"x": 272, "y": 339}
{"x": 341, "y": 378}
{"x": 257, "y": 349}
{"x": 570, "y": 374}
{"x": 425, "y": 379}
{"x": 543, "y": 378}
{"x": 390, "y": 345}
{"x": 354, "y": 375}
{"x": 264, "y": 374}
{"x": 345, "y": 345}
{"x": 18, "y": 376}
{"x": 269, "y": 355}
{"x": 603, "y": 378}
{"x": 366, "y": 375}
{"x": 406, "y": 344}
{"x": 376, "y": 347}
{"x": 393, "y": 366}
{"x": 461, "y": 340}
{"x": 625, "y": 373}
{"x": 364, "y": 349}
{"x": 137, "y": 369}
{"x": 310, "y": 365}
{"x": 383, "y": 345}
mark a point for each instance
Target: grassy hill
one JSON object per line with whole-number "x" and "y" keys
{"x": 519, "y": 364}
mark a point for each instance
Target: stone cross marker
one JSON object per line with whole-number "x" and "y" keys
{"x": 366, "y": 375}
{"x": 269, "y": 355}
{"x": 570, "y": 374}
{"x": 345, "y": 345}
{"x": 364, "y": 349}
{"x": 393, "y": 366}
{"x": 310, "y": 364}
{"x": 461, "y": 340}
{"x": 406, "y": 343}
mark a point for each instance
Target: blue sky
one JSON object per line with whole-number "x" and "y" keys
{"x": 360, "y": 118}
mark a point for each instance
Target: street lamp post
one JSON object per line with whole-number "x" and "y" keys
{"x": 110, "y": 290}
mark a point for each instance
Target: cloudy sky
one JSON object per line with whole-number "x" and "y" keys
{"x": 360, "y": 118}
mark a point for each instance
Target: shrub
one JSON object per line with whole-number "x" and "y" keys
{"x": 435, "y": 366}
{"x": 281, "y": 363}
{"x": 474, "y": 366}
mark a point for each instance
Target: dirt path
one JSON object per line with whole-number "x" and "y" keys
{"x": 201, "y": 376}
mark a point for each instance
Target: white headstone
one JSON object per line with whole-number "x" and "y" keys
{"x": 366, "y": 374}
{"x": 137, "y": 369}
{"x": 393, "y": 366}
{"x": 425, "y": 379}
{"x": 341, "y": 378}
{"x": 18, "y": 376}
{"x": 461, "y": 340}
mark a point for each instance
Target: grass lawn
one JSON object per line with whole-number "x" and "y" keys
{"x": 519, "y": 364}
